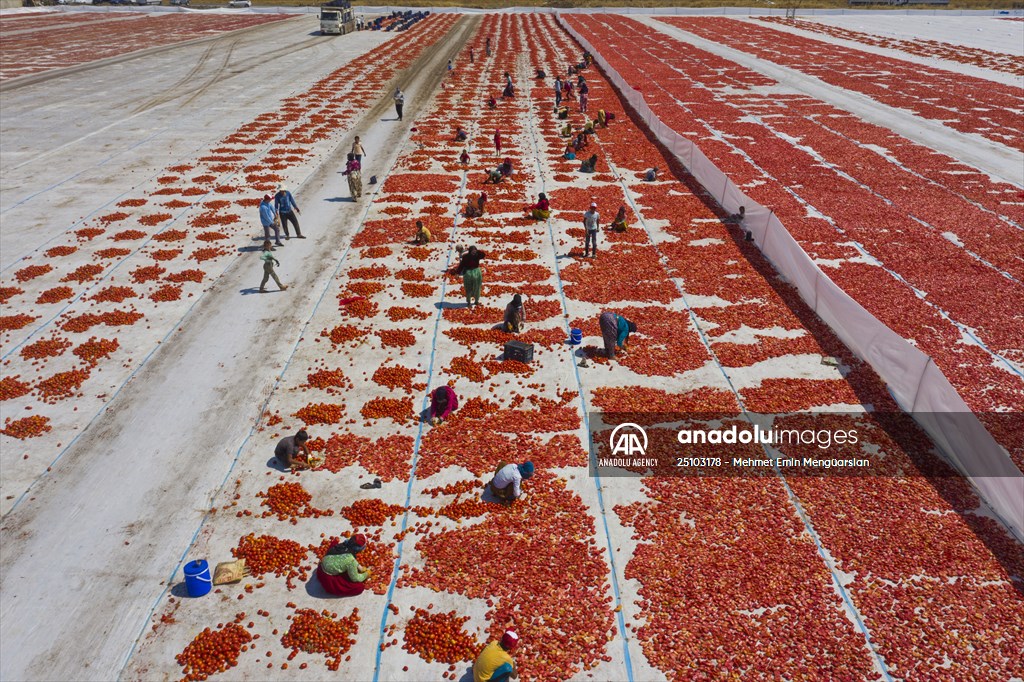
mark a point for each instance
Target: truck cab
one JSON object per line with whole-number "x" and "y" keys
{"x": 336, "y": 18}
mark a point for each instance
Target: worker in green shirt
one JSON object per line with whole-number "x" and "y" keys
{"x": 340, "y": 573}
{"x": 268, "y": 268}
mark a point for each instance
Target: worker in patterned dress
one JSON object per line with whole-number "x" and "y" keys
{"x": 354, "y": 171}
{"x": 339, "y": 572}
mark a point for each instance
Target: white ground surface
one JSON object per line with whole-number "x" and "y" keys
{"x": 73, "y": 146}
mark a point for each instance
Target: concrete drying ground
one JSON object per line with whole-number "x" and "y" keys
{"x": 90, "y": 539}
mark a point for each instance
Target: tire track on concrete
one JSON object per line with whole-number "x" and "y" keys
{"x": 184, "y": 80}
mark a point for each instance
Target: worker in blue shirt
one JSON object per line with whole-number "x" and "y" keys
{"x": 284, "y": 204}
{"x": 268, "y": 217}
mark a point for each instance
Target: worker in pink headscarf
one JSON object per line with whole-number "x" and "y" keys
{"x": 443, "y": 402}
{"x": 497, "y": 142}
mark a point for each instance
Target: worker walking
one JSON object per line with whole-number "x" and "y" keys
{"x": 286, "y": 208}
{"x": 591, "y": 225}
{"x": 269, "y": 219}
{"x": 558, "y": 92}
{"x": 357, "y": 150}
{"x": 615, "y": 330}
{"x": 268, "y": 268}
{"x": 399, "y": 102}
{"x": 354, "y": 171}
{"x": 495, "y": 664}
{"x": 488, "y": 47}
{"x": 506, "y": 485}
{"x": 497, "y": 142}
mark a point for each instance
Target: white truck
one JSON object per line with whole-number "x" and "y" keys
{"x": 336, "y": 18}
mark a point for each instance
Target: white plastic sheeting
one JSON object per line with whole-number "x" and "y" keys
{"x": 913, "y": 378}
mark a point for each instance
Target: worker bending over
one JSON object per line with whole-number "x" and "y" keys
{"x": 443, "y": 401}
{"x": 515, "y": 315}
{"x": 615, "y": 330}
{"x": 495, "y": 664}
{"x": 506, "y": 485}
{"x": 288, "y": 449}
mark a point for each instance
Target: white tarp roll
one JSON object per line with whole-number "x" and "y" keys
{"x": 913, "y": 378}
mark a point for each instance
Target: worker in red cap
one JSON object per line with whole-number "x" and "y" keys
{"x": 495, "y": 664}
{"x": 339, "y": 572}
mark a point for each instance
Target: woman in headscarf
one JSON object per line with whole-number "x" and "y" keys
{"x": 515, "y": 315}
{"x": 590, "y": 165}
{"x": 497, "y": 142}
{"x": 580, "y": 143}
{"x": 507, "y": 481}
{"x": 602, "y": 119}
{"x": 475, "y": 208}
{"x": 339, "y": 572}
{"x": 494, "y": 176}
{"x": 443, "y": 402}
{"x": 472, "y": 277}
{"x": 615, "y": 330}
{"x": 619, "y": 222}
{"x": 355, "y": 176}
{"x": 542, "y": 209}
{"x": 506, "y": 168}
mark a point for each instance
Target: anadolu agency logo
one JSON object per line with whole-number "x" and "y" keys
{"x": 629, "y": 445}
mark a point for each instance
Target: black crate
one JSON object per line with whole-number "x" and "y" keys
{"x": 517, "y": 350}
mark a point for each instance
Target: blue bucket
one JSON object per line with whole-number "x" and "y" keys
{"x": 575, "y": 336}
{"x": 197, "y": 578}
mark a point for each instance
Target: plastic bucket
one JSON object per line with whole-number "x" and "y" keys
{"x": 197, "y": 578}
{"x": 575, "y": 336}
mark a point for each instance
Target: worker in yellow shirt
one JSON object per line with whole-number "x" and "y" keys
{"x": 494, "y": 664}
{"x": 422, "y": 234}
